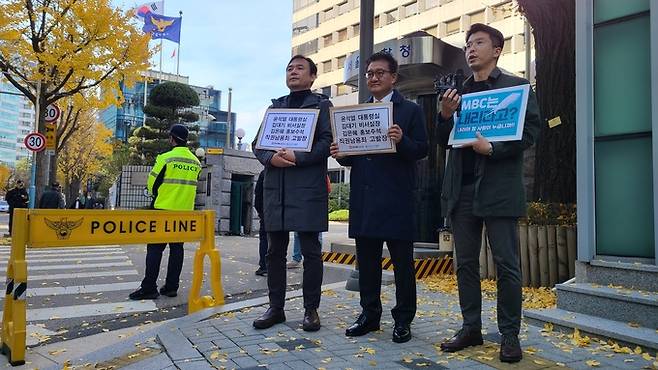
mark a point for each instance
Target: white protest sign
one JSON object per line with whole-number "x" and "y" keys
{"x": 362, "y": 129}
{"x": 288, "y": 128}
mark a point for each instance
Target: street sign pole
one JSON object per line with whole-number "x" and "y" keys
{"x": 33, "y": 176}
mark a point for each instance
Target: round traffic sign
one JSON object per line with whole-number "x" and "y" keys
{"x": 35, "y": 141}
{"x": 52, "y": 113}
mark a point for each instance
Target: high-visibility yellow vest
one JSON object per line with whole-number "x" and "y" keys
{"x": 177, "y": 190}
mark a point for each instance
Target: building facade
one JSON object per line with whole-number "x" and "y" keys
{"x": 327, "y": 31}
{"x": 213, "y": 122}
{"x": 16, "y": 121}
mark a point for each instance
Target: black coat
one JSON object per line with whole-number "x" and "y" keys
{"x": 381, "y": 185}
{"x": 51, "y": 199}
{"x": 17, "y": 198}
{"x": 499, "y": 190}
{"x": 295, "y": 198}
{"x": 258, "y": 194}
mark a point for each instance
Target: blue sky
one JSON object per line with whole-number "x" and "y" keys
{"x": 231, "y": 43}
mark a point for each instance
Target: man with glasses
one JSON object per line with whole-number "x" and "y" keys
{"x": 16, "y": 198}
{"x": 483, "y": 184}
{"x": 295, "y": 199}
{"x": 381, "y": 204}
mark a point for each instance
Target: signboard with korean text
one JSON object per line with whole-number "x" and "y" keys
{"x": 362, "y": 129}
{"x": 51, "y": 137}
{"x": 288, "y": 128}
{"x": 498, "y": 115}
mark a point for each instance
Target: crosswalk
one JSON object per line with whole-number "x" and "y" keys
{"x": 69, "y": 283}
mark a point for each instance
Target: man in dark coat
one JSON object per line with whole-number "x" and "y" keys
{"x": 483, "y": 185}
{"x": 295, "y": 199}
{"x": 381, "y": 204}
{"x": 52, "y": 198}
{"x": 16, "y": 198}
{"x": 262, "y": 234}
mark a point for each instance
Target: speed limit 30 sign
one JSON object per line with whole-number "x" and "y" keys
{"x": 52, "y": 113}
{"x": 35, "y": 142}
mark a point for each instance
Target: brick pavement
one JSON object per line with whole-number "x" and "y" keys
{"x": 227, "y": 340}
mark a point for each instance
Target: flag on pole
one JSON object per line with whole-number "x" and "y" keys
{"x": 156, "y": 7}
{"x": 162, "y": 27}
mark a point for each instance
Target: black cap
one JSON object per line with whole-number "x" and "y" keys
{"x": 179, "y": 132}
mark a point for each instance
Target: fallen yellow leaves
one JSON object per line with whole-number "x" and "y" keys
{"x": 593, "y": 363}
{"x": 57, "y": 352}
{"x": 533, "y": 298}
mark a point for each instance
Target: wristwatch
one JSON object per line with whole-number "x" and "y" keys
{"x": 490, "y": 152}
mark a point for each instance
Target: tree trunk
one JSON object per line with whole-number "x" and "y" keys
{"x": 555, "y": 162}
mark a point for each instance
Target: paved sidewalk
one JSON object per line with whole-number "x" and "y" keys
{"x": 225, "y": 338}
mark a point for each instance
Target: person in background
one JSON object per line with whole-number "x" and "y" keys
{"x": 262, "y": 234}
{"x": 16, "y": 198}
{"x": 52, "y": 198}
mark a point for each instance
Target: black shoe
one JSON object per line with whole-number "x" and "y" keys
{"x": 271, "y": 317}
{"x": 463, "y": 339}
{"x": 140, "y": 294}
{"x": 510, "y": 349}
{"x": 362, "y": 326}
{"x": 261, "y": 272}
{"x": 311, "y": 320}
{"x": 168, "y": 292}
{"x": 401, "y": 333}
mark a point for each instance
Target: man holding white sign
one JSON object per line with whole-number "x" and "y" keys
{"x": 483, "y": 184}
{"x": 381, "y": 204}
{"x": 295, "y": 194}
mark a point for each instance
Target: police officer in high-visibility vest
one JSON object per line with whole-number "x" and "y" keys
{"x": 172, "y": 183}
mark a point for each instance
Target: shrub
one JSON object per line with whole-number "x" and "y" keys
{"x": 540, "y": 213}
{"x": 339, "y": 198}
{"x": 339, "y": 215}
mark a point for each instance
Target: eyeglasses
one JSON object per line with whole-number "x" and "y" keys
{"x": 379, "y": 73}
{"x": 477, "y": 44}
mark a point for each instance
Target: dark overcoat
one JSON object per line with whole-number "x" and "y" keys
{"x": 499, "y": 190}
{"x": 381, "y": 185}
{"x": 295, "y": 198}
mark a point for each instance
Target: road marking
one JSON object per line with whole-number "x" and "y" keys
{"x": 73, "y": 267}
{"x": 66, "y": 254}
{"x": 82, "y": 289}
{"x": 71, "y": 259}
{"x": 84, "y": 310}
{"x": 31, "y": 278}
{"x": 7, "y": 250}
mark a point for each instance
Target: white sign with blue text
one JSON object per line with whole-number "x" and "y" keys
{"x": 288, "y": 128}
{"x": 498, "y": 115}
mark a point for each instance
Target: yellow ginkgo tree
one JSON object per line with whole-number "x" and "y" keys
{"x": 56, "y": 49}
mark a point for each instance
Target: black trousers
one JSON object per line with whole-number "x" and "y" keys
{"x": 262, "y": 245}
{"x": 504, "y": 240}
{"x": 277, "y": 272}
{"x": 174, "y": 266}
{"x": 369, "y": 256}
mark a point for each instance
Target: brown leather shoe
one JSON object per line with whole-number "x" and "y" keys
{"x": 311, "y": 320}
{"x": 510, "y": 349}
{"x": 271, "y": 317}
{"x": 463, "y": 339}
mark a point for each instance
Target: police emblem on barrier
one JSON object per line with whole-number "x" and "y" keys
{"x": 63, "y": 227}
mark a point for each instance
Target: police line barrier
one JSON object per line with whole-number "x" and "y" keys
{"x": 60, "y": 228}
{"x": 423, "y": 267}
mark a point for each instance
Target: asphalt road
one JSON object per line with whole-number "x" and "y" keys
{"x": 75, "y": 292}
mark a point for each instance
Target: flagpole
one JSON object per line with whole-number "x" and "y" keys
{"x": 180, "y": 12}
{"x": 160, "y": 55}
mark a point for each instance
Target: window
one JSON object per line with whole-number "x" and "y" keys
{"x": 342, "y": 35}
{"x": 327, "y": 39}
{"x": 341, "y": 61}
{"x": 453, "y": 26}
{"x": 356, "y": 28}
{"x": 503, "y": 11}
{"x": 344, "y": 89}
{"x": 392, "y": 16}
{"x": 306, "y": 48}
{"x": 434, "y": 31}
{"x": 507, "y": 48}
{"x": 326, "y": 66}
{"x": 411, "y": 9}
{"x": 305, "y": 25}
{"x": 344, "y": 7}
{"x": 301, "y": 4}
{"x": 376, "y": 22}
{"x": 477, "y": 17}
{"x": 429, "y": 4}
